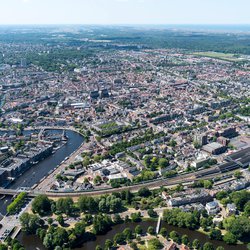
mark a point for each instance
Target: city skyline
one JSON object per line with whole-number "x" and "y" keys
{"x": 119, "y": 12}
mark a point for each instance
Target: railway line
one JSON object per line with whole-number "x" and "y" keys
{"x": 163, "y": 182}
{"x": 168, "y": 183}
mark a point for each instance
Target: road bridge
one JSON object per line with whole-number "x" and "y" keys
{"x": 14, "y": 192}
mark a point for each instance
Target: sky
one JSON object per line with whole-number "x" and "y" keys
{"x": 124, "y": 12}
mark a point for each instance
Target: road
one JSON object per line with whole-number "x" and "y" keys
{"x": 45, "y": 184}
{"x": 11, "y": 222}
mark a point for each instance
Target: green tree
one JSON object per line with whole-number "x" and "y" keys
{"x": 230, "y": 238}
{"x": 102, "y": 206}
{"x": 126, "y": 219}
{"x": 215, "y": 234}
{"x": 179, "y": 218}
{"x": 163, "y": 163}
{"x": 144, "y": 192}
{"x": 119, "y": 238}
{"x": 108, "y": 244}
{"x": 138, "y": 230}
{"x": 134, "y": 246}
{"x": 3, "y": 247}
{"x": 208, "y": 184}
{"x": 17, "y": 246}
{"x": 48, "y": 241}
{"x": 60, "y": 220}
{"x": 98, "y": 247}
{"x": 97, "y": 179}
{"x": 220, "y": 248}
{"x": 179, "y": 188}
{"x": 147, "y": 161}
{"x": 239, "y": 226}
{"x": 41, "y": 232}
{"x": 87, "y": 203}
{"x": 50, "y": 221}
{"x": 128, "y": 234}
{"x": 174, "y": 236}
{"x": 30, "y": 223}
{"x": 115, "y": 204}
{"x": 163, "y": 232}
{"x": 117, "y": 219}
{"x": 196, "y": 244}
{"x": 65, "y": 205}
{"x": 205, "y": 223}
{"x": 208, "y": 246}
{"x": 221, "y": 194}
{"x": 79, "y": 229}
{"x": 225, "y": 201}
{"x": 154, "y": 244}
{"x": 17, "y": 204}
{"x": 60, "y": 236}
{"x": 97, "y": 158}
{"x": 151, "y": 230}
{"x": 86, "y": 161}
{"x": 88, "y": 219}
{"x": 248, "y": 246}
{"x": 101, "y": 224}
{"x": 170, "y": 173}
{"x": 72, "y": 238}
{"x": 135, "y": 217}
{"x": 128, "y": 196}
{"x": 152, "y": 213}
{"x": 247, "y": 209}
{"x": 237, "y": 174}
{"x": 240, "y": 198}
{"x": 184, "y": 239}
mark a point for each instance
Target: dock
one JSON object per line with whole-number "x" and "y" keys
{"x": 16, "y": 232}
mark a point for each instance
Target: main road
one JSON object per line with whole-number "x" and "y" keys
{"x": 50, "y": 179}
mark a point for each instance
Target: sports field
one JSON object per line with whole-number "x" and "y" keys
{"x": 221, "y": 56}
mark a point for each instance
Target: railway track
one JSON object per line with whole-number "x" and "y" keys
{"x": 170, "y": 182}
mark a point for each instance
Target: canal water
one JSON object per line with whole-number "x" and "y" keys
{"x": 40, "y": 170}
{"x": 5, "y": 200}
{"x": 33, "y": 242}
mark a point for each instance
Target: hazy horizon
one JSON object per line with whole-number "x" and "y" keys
{"x": 124, "y": 12}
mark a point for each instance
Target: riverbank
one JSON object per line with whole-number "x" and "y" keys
{"x": 33, "y": 242}
{"x": 41, "y": 170}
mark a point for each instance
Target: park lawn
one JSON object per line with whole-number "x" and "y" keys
{"x": 219, "y": 55}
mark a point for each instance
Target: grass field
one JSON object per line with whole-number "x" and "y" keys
{"x": 221, "y": 56}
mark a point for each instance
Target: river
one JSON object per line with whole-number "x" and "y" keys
{"x": 33, "y": 242}
{"x": 38, "y": 171}
{"x": 5, "y": 200}
{"x": 41, "y": 169}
